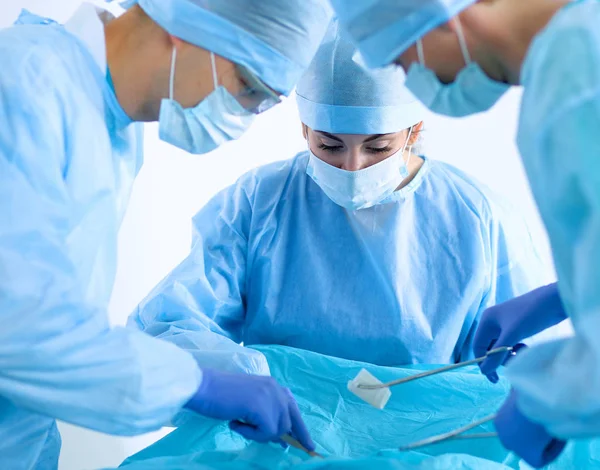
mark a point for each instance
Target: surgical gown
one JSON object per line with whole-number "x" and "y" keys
{"x": 68, "y": 157}
{"x": 275, "y": 261}
{"x": 559, "y": 140}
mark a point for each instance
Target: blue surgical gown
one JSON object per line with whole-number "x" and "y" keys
{"x": 274, "y": 261}
{"x": 559, "y": 140}
{"x": 68, "y": 157}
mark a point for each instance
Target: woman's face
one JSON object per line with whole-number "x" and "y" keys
{"x": 353, "y": 152}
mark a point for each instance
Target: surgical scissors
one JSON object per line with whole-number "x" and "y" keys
{"x": 510, "y": 349}
{"x": 456, "y": 434}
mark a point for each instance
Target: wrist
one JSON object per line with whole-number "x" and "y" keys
{"x": 555, "y": 304}
{"x": 201, "y": 393}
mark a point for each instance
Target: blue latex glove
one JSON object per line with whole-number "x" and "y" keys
{"x": 509, "y": 323}
{"x": 527, "y": 439}
{"x": 257, "y": 407}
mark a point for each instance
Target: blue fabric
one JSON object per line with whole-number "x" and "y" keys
{"x": 384, "y": 29}
{"x": 354, "y": 435}
{"x": 275, "y": 261}
{"x": 338, "y": 95}
{"x": 558, "y": 140}
{"x": 68, "y": 157}
{"x": 274, "y": 39}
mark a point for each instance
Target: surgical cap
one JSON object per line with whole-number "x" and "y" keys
{"x": 384, "y": 29}
{"x": 274, "y": 39}
{"x": 338, "y": 95}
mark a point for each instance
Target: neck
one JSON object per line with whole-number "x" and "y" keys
{"x": 134, "y": 55}
{"x": 414, "y": 165}
{"x": 521, "y": 22}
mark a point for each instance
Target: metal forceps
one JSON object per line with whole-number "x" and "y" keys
{"x": 455, "y": 435}
{"x": 510, "y": 349}
{"x": 460, "y": 432}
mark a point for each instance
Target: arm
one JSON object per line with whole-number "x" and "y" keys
{"x": 515, "y": 264}
{"x": 200, "y": 305}
{"x": 558, "y": 382}
{"x": 58, "y": 355}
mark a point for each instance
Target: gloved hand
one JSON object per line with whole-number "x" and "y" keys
{"x": 528, "y": 440}
{"x": 257, "y": 407}
{"x": 509, "y": 323}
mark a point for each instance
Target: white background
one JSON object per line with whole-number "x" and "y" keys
{"x": 172, "y": 186}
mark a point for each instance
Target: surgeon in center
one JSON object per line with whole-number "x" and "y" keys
{"x": 358, "y": 247}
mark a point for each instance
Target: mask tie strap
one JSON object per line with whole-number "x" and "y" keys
{"x": 409, "y": 146}
{"x": 214, "y": 70}
{"x": 462, "y": 41}
{"x": 420, "y": 52}
{"x": 172, "y": 76}
{"x": 405, "y": 171}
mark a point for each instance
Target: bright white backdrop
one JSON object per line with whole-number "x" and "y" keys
{"x": 172, "y": 186}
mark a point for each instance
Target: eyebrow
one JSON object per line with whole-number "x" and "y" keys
{"x": 330, "y": 136}
{"x": 337, "y": 139}
{"x": 375, "y": 137}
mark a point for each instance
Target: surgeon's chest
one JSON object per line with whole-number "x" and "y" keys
{"x": 382, "y": 279}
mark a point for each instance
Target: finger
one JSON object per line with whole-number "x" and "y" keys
{"x": 250, "y": 432}
{"x": 282, "y": 444}
{"x": 285, "y": 423}
{"x": 299, "y": 429}
{"x": 491, "y": 364}
{"x": 493, "y": 377}
{"x": 485, "y": 338}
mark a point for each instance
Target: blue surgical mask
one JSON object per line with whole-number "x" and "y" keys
{"x": 217, "y": 119}
{"x": 471, "y": 92}
{"x": 360, "y": 189}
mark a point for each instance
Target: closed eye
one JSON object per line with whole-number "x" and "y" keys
{"x": 379, "y": 150}
{"x": 329, "y": 148}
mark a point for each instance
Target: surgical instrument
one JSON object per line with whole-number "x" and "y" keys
{"x": 510, "y": 349}
{"x": 289, "y": 440}
{"x": 454, "y": 435}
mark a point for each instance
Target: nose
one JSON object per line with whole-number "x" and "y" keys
{"x": 354, "y": 161}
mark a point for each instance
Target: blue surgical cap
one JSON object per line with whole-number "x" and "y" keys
{"x": 274, "y": 39}
{"x": 384, "y": 29}
{"x": 338, "y": 95}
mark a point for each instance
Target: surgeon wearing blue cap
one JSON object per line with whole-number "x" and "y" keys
{"x": 71, "y": 99}
{"x": 461, "y": 55}
{"x": 358, "y": 247}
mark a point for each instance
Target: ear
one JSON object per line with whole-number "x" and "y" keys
{"x": 416, "y": 133}
{"x": 305, "y": 131}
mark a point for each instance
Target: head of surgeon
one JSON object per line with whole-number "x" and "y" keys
{"x": 204, "y": 68}
{"x": 460, "y": 55}
{"x": 360, "y": 125}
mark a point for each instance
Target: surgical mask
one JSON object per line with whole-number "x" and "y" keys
{"x": 360, "y": 189}
{"x": 471, "y": 92}
{"x": 217, "y": 119}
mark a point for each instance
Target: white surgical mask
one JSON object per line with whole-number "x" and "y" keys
{"x": 360, "y": 189}
{"x": 472, "y": 91}
{"x": 217, "y": 119}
